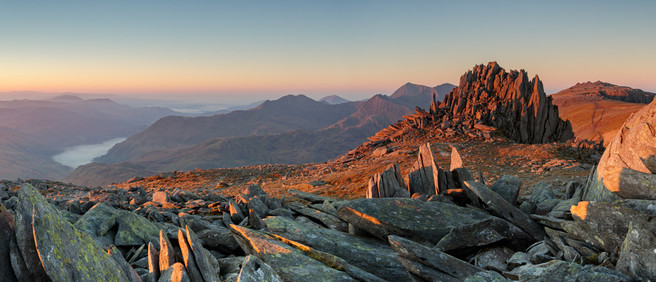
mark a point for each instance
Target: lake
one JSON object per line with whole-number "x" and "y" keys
{"x": 83, "y": 154}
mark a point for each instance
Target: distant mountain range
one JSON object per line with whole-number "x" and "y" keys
{"x": 293, "y": 129}
{"x": 598, "y": 109}
{"x": 32, "y": 131}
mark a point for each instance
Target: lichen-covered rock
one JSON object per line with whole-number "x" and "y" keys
{"x": 66, "y": 253}
{"x": 255, "y": 270}
{"x": 410, "y": 218}
{"x": 371, "y": 255}
{"x": 133, "y": 229}
{"x": 628, "y": 166}
{"x": 558, "y": 270}
{"x": 604, "y": 225}
{"x": 290, "y": 263}
{"x": 24, "y": 209}
{"x": 508, "y": 187}
{"x": 637, "y": 257}
{"x": 6, "y": 232}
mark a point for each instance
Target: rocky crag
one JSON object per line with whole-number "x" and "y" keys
{"x": 489, "y": 98}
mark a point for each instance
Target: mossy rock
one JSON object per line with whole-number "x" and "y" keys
{"x": 65, "y": 252}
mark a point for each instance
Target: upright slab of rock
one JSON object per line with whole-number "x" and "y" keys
{"x": 387, "y": 184}
{"x": 509, "y": 101}
{"x": 628, "y": 166}
{"x": 426, "y": 177}
{"x": 63, "y": 252}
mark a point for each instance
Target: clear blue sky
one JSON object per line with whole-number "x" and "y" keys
{"x": 353, "y": 48}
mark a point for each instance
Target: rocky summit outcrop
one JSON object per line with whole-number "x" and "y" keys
{"x": 488, "y": 99}
{"x": 508, "y": 100}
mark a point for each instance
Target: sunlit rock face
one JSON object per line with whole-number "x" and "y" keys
{"x": 509, "y": 101}
{"x": 626, "y": 170}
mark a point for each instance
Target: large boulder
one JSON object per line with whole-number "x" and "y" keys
{"x": 133, "y": 229}
{"x": 638, "y": 254}
{"x": 64, "y": 252}
{"x": 628, "y": 166}
{"x": 604, "y": 225}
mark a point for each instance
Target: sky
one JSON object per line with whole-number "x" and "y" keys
{"x": 242, "y": 51}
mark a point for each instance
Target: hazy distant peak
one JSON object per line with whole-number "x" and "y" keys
{"x": 66, "y": 98}
{"x": 334, "y": 100}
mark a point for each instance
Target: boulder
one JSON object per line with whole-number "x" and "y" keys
{"x": 290, "y": 263}
{"x": 25, "y": 241}
{"x": 543, "y": 199}
{"x": 6, "y": 232}
{"x": 219, "y": 239}
{"x": 557, "y": 270}
{"x": 637, "y": 257}
{"x": 64, "y": 252}
{"x": 508, "y": 187}
{"x": 417, "y": 220}
{"x": 604, "y": 225}
{"x": 255, "y": 270}
{"x": 494, "y": 259}
{"x": 371, "y": 255}
{"x": 133, "y": 229}
{"x": 626, "y": 169}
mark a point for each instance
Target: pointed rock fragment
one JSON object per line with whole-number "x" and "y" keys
{"x": 206, "y": 268}
{"x": 425, "y": 176}
{"x": 153, "y": 263}
{"x": 175, "y": 273}
{"x": 166, "y": 252}
{"x": 188, "y": 258}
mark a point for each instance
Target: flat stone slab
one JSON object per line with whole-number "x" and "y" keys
{"x": 369, "y": 254}
{"x": 290, "y": 263}
{"x": 414, "y": 219}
